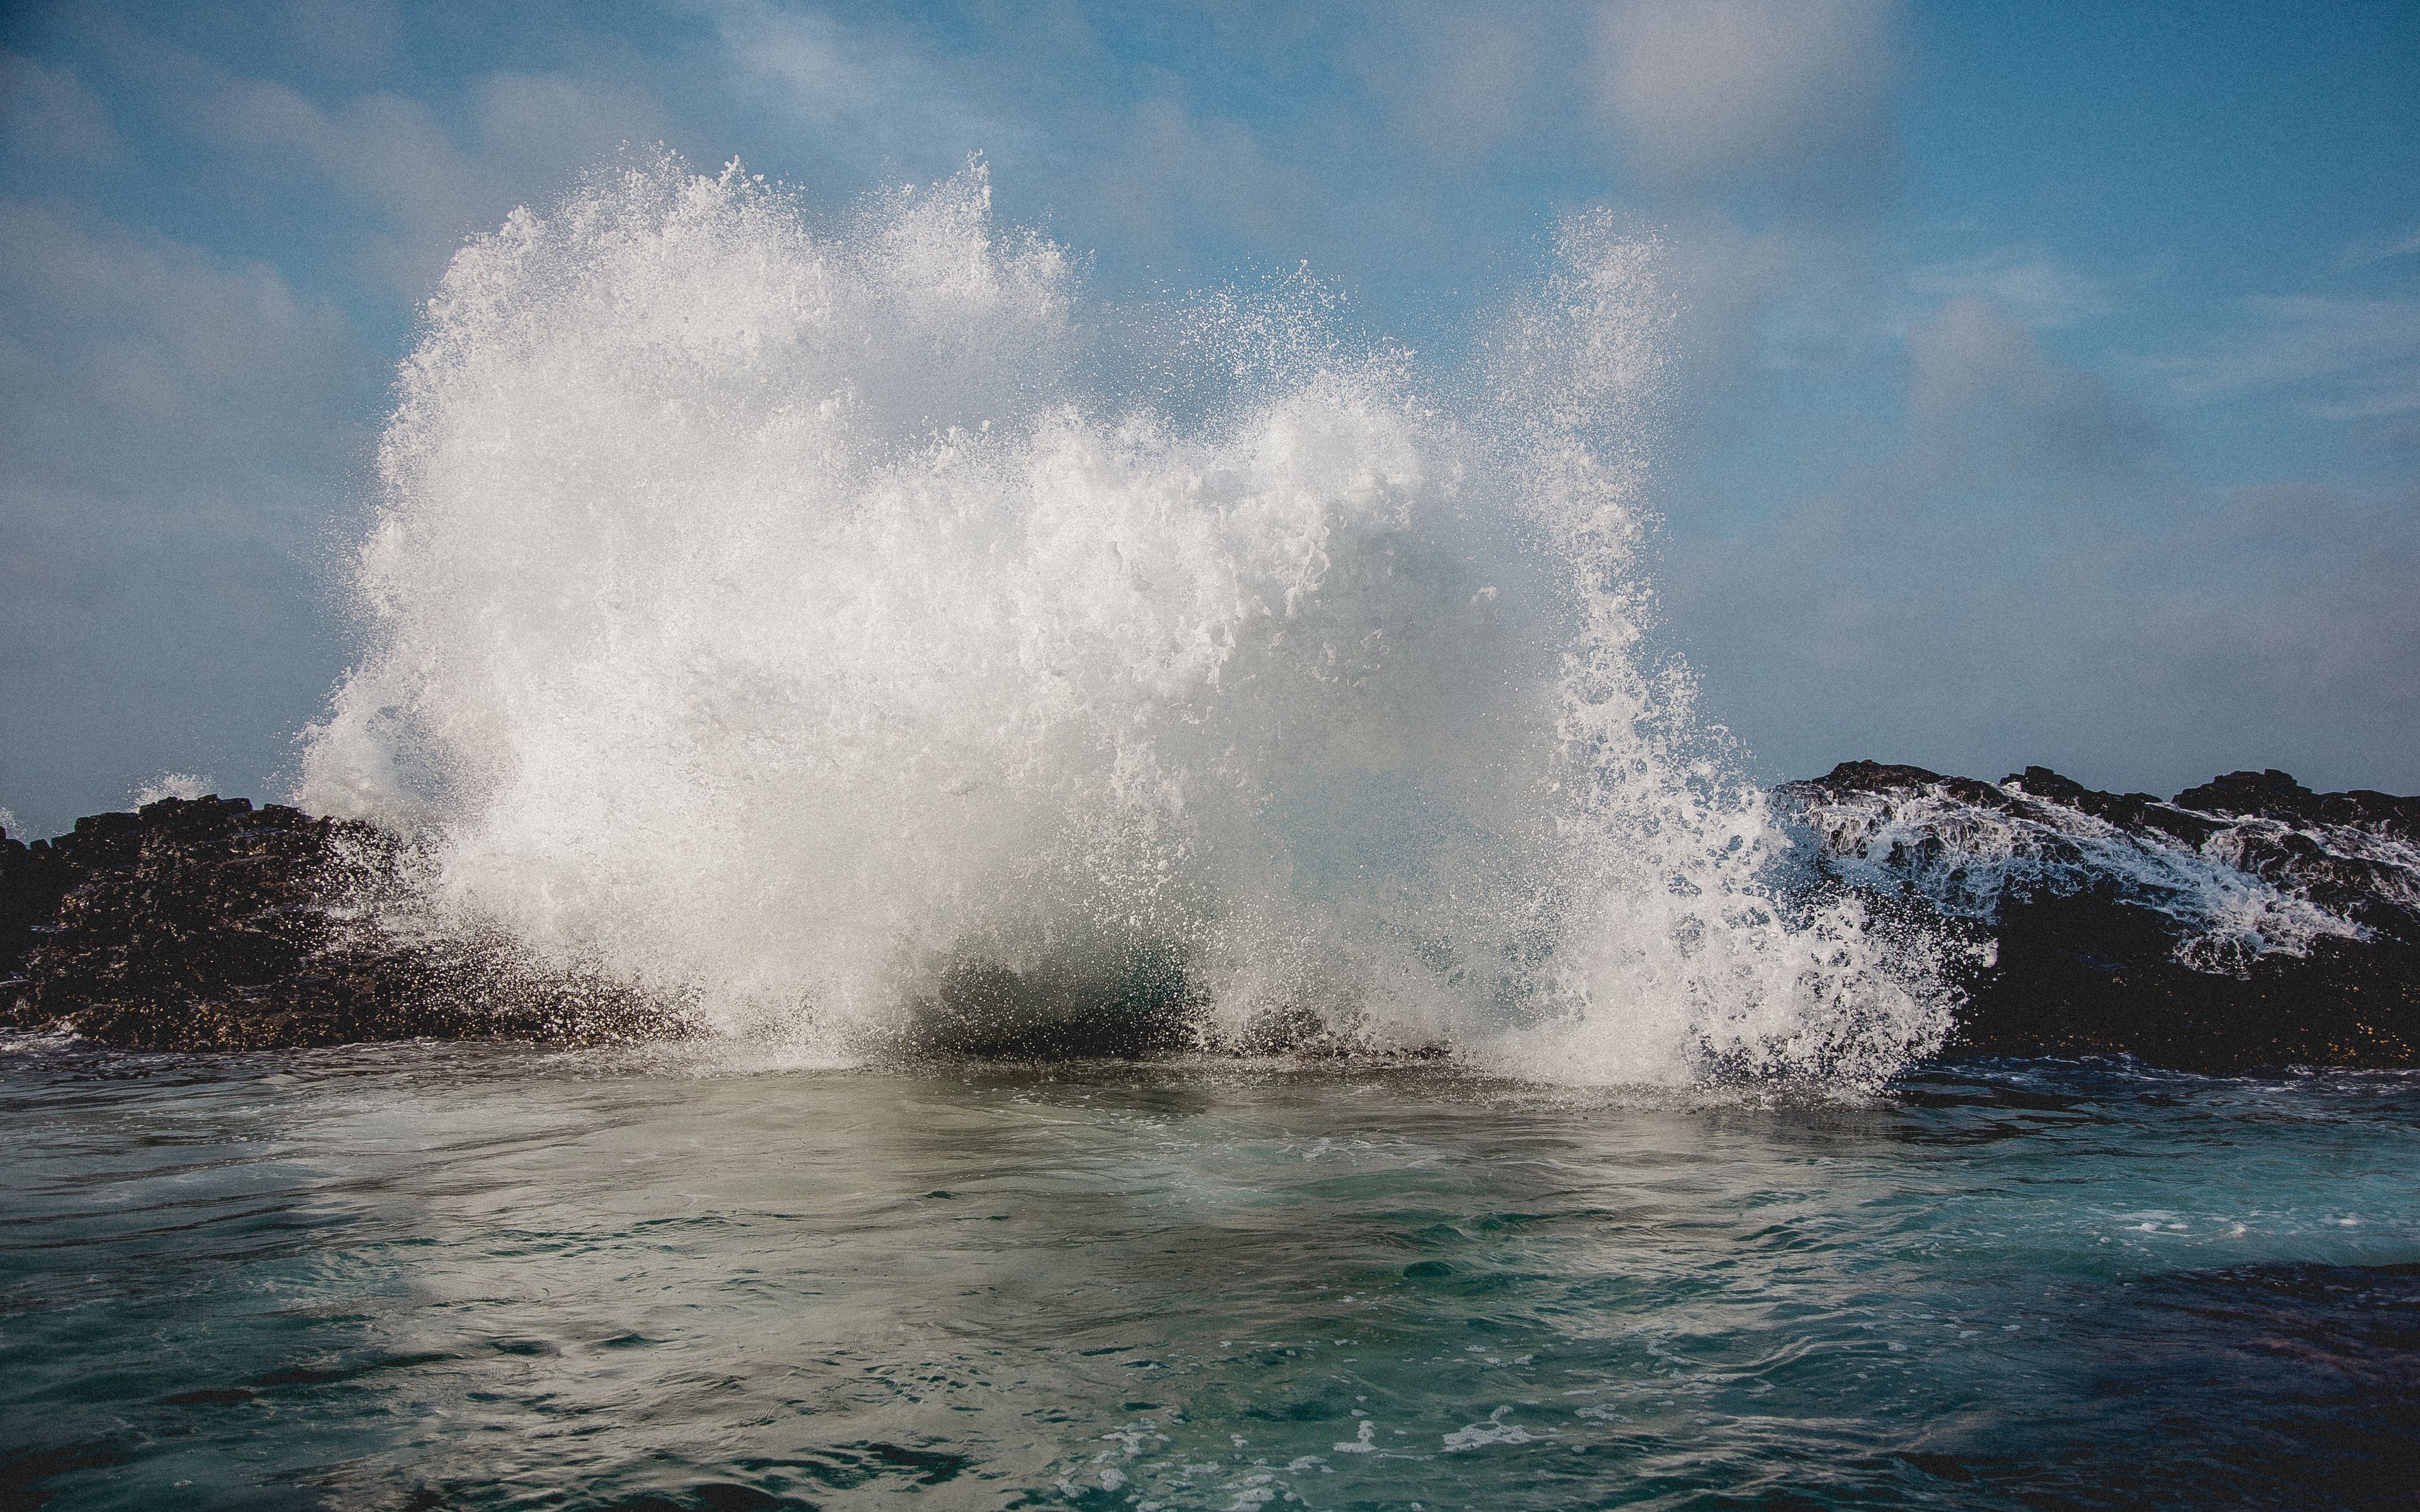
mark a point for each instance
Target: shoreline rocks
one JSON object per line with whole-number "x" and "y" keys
{"x": 207, "y": 924}
{"x": 2246, "y": 924}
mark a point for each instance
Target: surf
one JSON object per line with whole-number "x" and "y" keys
{"x": 844, "y": 623}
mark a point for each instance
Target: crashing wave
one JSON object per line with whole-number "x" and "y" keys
{"x": 845, "y": 626}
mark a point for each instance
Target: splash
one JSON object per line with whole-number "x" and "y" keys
{"x": 185, "y": 785}
{"x": 851, "y": 629}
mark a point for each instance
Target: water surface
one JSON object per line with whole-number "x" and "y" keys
{"x": 466, "y": 1277}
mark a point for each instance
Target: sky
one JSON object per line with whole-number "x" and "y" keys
{"x": 2048, "y": 375}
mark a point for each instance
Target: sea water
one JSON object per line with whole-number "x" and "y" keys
{"x": 465, "y": 1277}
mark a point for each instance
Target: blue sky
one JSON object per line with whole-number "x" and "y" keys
{"x": 2051, "y": 372}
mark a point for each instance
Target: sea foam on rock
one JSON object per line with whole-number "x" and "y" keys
{"x": 2247, "y": 923}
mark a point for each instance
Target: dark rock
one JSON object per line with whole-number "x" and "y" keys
{"x": 2272, "y": 795}
{"x": 2108, "y": 912}
{"x": 205, "y": 924}
{"x": 1875, "y": 777}
{"x": 33, "y": 879}
{"x": 2092, "y": 974}
{"x": 2125, "y": 809}
{"x": 2112, "y": 921}
{"x": 992, "y": 1013}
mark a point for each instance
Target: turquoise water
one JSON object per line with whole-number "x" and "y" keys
{"x": 441, "y": 1276}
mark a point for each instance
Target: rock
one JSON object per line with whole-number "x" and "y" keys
{"x": 1875, "y": 777}
{"x": 206, "y": 924}
{"x": 33, "y": 879}
{"x": 2272, "y": 795}
{"x": 2248, "y": 924}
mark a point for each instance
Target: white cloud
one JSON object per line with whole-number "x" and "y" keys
{"x": 1459, "y": 80}
{"x": 2023, "y": 581}
{"x": 1982, "y": 391}
{"x": 48, "y": 114}
{"x": 127, "y": 350}
{"x": 1175, "y": 172}
{"x": 1156, "y": 177}
{"x": 435, "y": 177}
{"x": 174, "y": 427}
{"x": 1725, "y": 89}
{"x": 346, "y": 34}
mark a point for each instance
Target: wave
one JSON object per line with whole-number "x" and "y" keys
{"x": 847, "y": 626}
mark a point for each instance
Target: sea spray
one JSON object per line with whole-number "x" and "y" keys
{"x": 817, "y": 622}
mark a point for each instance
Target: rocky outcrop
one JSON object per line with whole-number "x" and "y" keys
{"x": 209, "y": 924}
{"x": 2245, "y": 924}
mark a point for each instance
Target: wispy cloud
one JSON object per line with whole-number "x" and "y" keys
{"x": 50, "y": 115}
{"x": 2028, "y": 284}
{"x": 128, "y": 350}
{"x": 2370, "y": 249}
{"x": 864, "y": 92}
{"x": 1459, "y": 80}
{"x": 431, "y": 171}
{"x": 2340, "y": 359}
{"x": 2024, "y": 580}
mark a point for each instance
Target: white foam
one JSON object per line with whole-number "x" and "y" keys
{"x": 1494, "y": 1430}
{"x": 2242, "y": 893}
{"x": 185, "y": 785}
{"x": 785, "y": 615}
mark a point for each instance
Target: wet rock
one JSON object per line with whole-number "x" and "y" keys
{"x": 1880, "y": 777}
{"x": 2272, "y": 795}
{"x": 207, "y": 924}
{"x": 2249, "y": 924}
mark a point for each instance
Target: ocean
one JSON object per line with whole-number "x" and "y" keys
{"x": 432, "y": 1275}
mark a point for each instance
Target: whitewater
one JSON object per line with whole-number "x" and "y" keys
{"x": 846, "y": 625}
